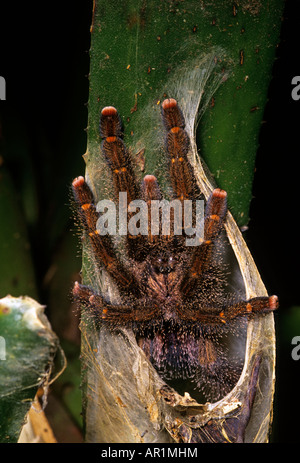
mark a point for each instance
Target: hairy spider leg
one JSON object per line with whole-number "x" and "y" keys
{"x": 101, "y": 244}
{"x": 215, "y": 213}
{"x": 117, "y": 158}
{"x": 114, "y": 315}
{"x": 151, "y": 192}
{"x": 115, "y": 153}
{"x": 208, "y": 315}
{"x": 110, "y": 123}
{"x": 177, "y": 147}
{"x": 177, "y": 144}
{"x": 161, "y": 248}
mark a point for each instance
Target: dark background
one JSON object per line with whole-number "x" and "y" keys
{"x": 273, "y": 235}
{"x": 44, "y": 60}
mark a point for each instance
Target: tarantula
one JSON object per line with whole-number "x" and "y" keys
{"x": 173, "y": 296}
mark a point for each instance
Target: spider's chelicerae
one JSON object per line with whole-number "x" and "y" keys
{"x": 174, "y": 297}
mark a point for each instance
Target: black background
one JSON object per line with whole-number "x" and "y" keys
{"x": 44, "y": 60}
{"x": 273, "y": 235}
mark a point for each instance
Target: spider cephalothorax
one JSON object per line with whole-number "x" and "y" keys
{"x": 174, "y": 296}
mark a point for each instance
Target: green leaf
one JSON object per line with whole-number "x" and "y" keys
{"x": 27, "y": 349}
{"x": 16, "y": 266}
{"x": 141, "y": 51}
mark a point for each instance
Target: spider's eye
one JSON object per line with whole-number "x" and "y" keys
{"x": 164, "y": 265}
{"x": 171, "y": 263}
